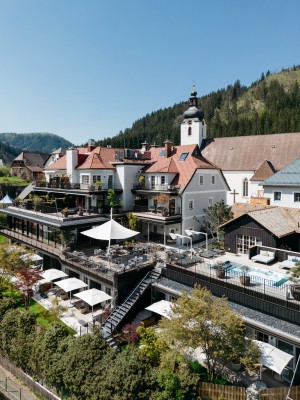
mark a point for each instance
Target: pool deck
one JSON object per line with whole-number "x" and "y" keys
{"x": 258, "y": 284}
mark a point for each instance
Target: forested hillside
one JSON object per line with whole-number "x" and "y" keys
{"x": 8, "y": 153}
{"x": 269, "y": 105}
{"x": 41, "y": 142}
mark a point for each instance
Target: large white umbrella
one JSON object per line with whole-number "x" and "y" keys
{"x": 52, "y": 274}
{"x": 93, "y": 297}
{"x": 6, "y": 201}
{"x": 162, "y": 307}
{"x": 70, "y": 284}
{"x": 273, "y": 358}
{"x": 110, "y": 230}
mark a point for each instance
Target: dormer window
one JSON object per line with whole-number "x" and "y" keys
{"x": 183, "y": 156}
{"x": 163, "y": 152}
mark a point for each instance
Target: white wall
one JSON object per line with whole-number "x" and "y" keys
{"x": 235, "y": 181}
{"x": 287, "y": 196}
{"x": 127, "y": 176}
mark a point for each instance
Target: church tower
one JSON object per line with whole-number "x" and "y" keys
{"x": 193, "y": 127}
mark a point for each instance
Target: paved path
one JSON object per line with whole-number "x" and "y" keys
{"x": 14, "y": 385}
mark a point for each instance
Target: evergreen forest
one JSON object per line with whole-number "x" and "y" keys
{"x": 269, "y": 105}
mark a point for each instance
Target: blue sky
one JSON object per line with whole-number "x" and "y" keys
{"x": 89, "y": 68}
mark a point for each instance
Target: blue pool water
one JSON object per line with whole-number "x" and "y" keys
{"x": 272, "y": 278}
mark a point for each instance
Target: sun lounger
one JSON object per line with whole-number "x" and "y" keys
{"x": 208, "y": 254}
{"x": 290, "y": 262}
{"x": 264, "y": 257}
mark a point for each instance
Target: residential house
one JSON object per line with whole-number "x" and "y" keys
{"x": 28, "y": 165}
{"x": 283, "y": 188}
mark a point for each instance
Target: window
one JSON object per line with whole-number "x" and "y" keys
{"x": 162, "y": 180}
{"x": 190, "y": 131}
{"x": 152, "y": 182}
{"x": 201, "y": 178}
{"x": 96, "y": 178}
{"x": 262, "y": 337}
{"x": 213, "y": 179}
{"x": 183, "y": 156}
{"x": 277, "y": 196}
{"x": 191, "y": 204}
{"x": 245, "y": 187}
{"x": 85, "y": 179}
{"x": 163, "y": 152}
{"x": 296, "y": 197}
{"x": 110, "y": 181}
{"x": 210, "y": 201}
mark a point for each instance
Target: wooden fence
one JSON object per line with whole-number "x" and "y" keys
{"x": 280, "y": 393}
{"x": 210, "y": 391}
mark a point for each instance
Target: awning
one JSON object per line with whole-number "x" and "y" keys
{"x": 162, "y": 307}
{"x": 52, "y": 274}
{"x": 70, "y": 284}
{"x": 93, "y": 296}
{"x": 273, "y": 358}
{"x": 110, "y": 230}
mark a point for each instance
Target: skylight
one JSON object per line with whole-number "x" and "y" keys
{"x": 163, "y": 152}
{"x": 183, "y": 156}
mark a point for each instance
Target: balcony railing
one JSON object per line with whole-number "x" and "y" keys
{"x": 74, "y": 186}
{"x": 158, "y": 188}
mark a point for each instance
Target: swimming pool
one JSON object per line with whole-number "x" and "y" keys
{"x": 271, "y": 278}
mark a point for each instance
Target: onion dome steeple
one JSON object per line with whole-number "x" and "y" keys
{"x": 193, "y": 111}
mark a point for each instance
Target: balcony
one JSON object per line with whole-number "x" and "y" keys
{"x": 61, "y": 186}
{"x": 156, "y": 188}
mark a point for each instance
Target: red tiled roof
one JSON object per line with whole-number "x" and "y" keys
{"x": 100, "y": 157}
{"x": 184, "y": 169}
{"x": 61, "y": 163}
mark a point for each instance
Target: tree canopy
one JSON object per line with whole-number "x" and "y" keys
{"x": 202, "y": 321}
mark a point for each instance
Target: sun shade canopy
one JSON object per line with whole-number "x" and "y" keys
{"x": 273, "y": 358}
{"x": 110, "y": 230}
{"x": 70, "y": 284}
{"x": 52, "y": 274}
{"x": 162, "y": 307}
{"x": 93, "y": 296}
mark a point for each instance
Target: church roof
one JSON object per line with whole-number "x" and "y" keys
{"x": 264, "y": 172}
{"x": 244, "y": 153}
{"x": 288, "y": 176}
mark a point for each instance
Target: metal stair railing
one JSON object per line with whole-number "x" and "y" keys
{"x": 120, "y": 312}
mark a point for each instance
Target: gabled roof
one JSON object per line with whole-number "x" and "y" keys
{"x": 184, "y": 169}
{"x": 264, "y": 172}
{"x": 289, "y": 176}
{"x": 247, "y": 153}
{"x": 34, "y": 159}
{"x": 100, "y": 157}
{"x": 281, "y": 221}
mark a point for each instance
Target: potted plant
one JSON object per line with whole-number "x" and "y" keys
{"x": 65, "y": 212}
{"x": 295, "y": 278}
{"x": 142, "y": 180}
{"x": 245, "y": 279}
{"x": 99, "y": 185}
{"x": 100, "y": 206}
{"x": 113, "y": 200}
{"x": 220, "y": 270}
{"x": 162, "y": 200}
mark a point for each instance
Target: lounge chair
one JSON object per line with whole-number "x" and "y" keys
{"x": 290, "y": 262}
{"x": 264, "y": 257}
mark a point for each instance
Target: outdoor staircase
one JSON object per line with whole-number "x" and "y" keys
{"x": 119, "y": 313}
{"x": 25, "y": 192}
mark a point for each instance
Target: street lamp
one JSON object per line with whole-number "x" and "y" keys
{"x": 175, "y": 235}
{"x": 191, "y": 232}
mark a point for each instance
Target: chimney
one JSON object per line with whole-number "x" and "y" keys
{"x": 91, "y": 145}
{"x": 145, "y": 146}
{"x": 72, "y": 163}
{"x": 168, "y": 148}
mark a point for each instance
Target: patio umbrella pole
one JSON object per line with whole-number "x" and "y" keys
{"x": 108, "y": 248}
